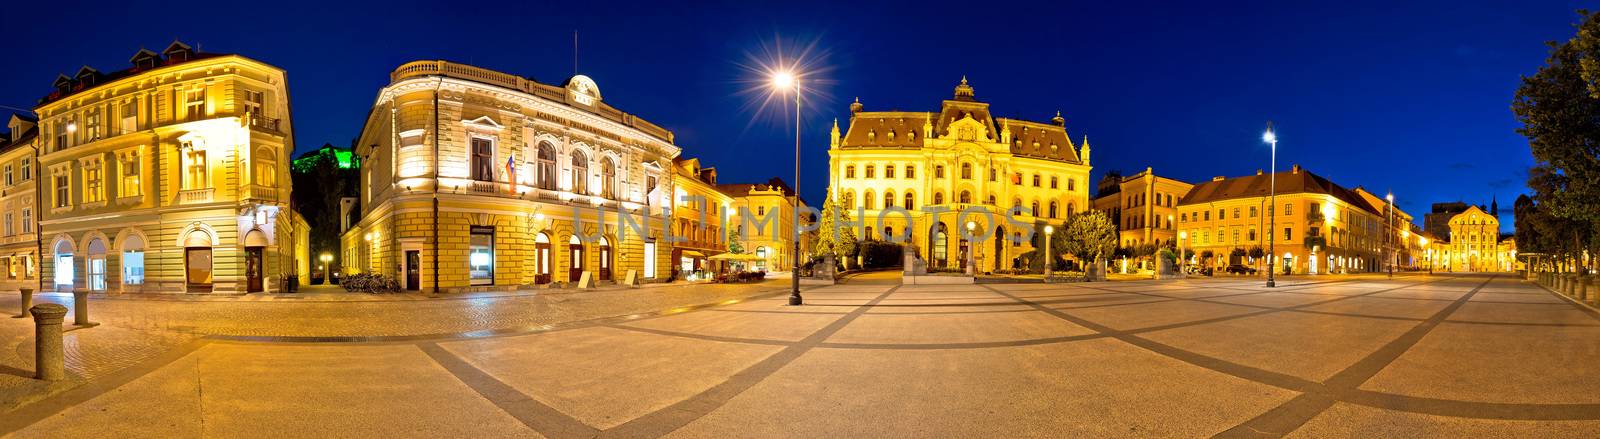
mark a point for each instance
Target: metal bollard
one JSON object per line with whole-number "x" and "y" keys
{"x": 80, "y": 309}
{"x": 27, "y": 302}
{"x": 49, "y": 353}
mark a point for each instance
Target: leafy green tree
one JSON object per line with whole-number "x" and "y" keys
{"x": 1089, "y": 236}
{"x": 1559, "y": 107}
{"x": 733, "y": 242}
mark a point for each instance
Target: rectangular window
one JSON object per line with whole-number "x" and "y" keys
{"x": 27, "y": 220}
{"x": 1053, "y": 182}
{"x": 197, "y": 173}
{"x": 888, "y": 171}
{"x": 129, "y": 185}
{"x": 911, "y": 171}
{"x": 91, "y": 125}
{"x": 1072, "y": 184}
{"x": 650, "y": 259}
{"x": 63, "y": 271}
{"x": 10, "y": 230}
{"x": 870, "y": 172}
{"x": 93, "y": 180}
{"x": 130, "y": 117}
{"x": 194, "y": 104}
{"x": 27, "y": 168}
{"x": 482, "y": 159}
{"x": 1252, "y": 211}
{"x": 133, "y": 268}
{"x": 480, "y": 248}
{"x": 9, "y": 181}
{"x": 252, "y": 104}
{"x": 1288, "y": 234}
{"x": 62, "y": 191}
{"x": 1288, "y": 209}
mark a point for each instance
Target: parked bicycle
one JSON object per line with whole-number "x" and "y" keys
{"x": 371, "y": 283}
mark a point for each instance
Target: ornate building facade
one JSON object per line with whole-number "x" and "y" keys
{"x": 168, "y": 176}
{"x": 958, "y": 157}
{"x": 772, "y": 205}
{"x": 1474, "y": 244}
{"x": 1321, "y": 227}
{"x": 473, "y": 179}
{"x": 700, "y": 216}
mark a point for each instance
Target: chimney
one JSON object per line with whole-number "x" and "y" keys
{"x": 1258, "y": 172}
{"x": 1296, "y": 168}
{"x": 1218, "y": 178}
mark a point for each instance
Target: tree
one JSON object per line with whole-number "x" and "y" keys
{"x": 733, "y": 242}
{"x": 1089, "y": 236}
{"x": 321, "y": 179}
{"x": 1559, "y": 107}
{"x": 832, "y": 240}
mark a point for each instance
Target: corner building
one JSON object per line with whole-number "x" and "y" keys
{"x": 958, "y": 157}
{"x": 473, "y": 179}
{"x": 168, "y": 176}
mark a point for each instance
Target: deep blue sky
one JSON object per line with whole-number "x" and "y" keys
{"x": 1413, "y": 97}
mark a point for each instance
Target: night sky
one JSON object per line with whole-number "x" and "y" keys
{"x": 1413, "y": 97}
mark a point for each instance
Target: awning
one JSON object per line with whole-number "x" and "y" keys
{"x": 737, "y": 257}
{"x": 693, "y": 254}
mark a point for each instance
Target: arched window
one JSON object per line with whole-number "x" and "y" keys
{"x": 966, "y": 171}
{"x": 938, "y": 198}
{"x": 964, "y": 198}
{"x": 133, "y": 260}
{"x": 608, "y": 178}
{"x": 888, "y": 199}
{"x": 580, "y": 172}
{"x": 1071, "y": 208}
{"x": 938, "y": 171}
{"x": 910, "y": 202}
{"x": 991, "y": 199}
{"x": 546, "y": 171}
{"x": 850, "y": 171}
{"x": 849, "y": 200}
{"x": 866, "y": 200}
{"x": 265, "y": 172}
{"x": 1052, "y": 209}
{"x": 1035, "y": 208}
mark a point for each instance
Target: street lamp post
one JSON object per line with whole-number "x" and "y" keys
{"x": 1181, "y": 259}
{"x": 1049, "y": 262}
{"x": 787, "y": 81}
{"x": 1172, "y": 226}
{"x": 1272, "y": 223}
{"x": 1388, "y": 229}
{"x": 971, "y": 248}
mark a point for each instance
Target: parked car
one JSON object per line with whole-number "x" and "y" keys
{"x": 1198, "y": 270}
{"x": 1240, "y": 269}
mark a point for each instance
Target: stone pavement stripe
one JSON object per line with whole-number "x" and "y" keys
{"x": 675, "y": 416}
{"x": 1469, "y": 409}
{"x": 1295, "y": 413}
{"x": 536, "y": 415}
{"x": 706, "y": 337}
{"x": 49, "y": 406}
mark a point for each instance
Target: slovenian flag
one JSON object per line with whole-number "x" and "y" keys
{"x": 511, "y": 174}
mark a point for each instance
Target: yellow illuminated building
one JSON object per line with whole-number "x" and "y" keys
{"x": 771, "y": 206}
{"x": 1143, "y": 206}
{"x": 700, "y": 216}
{"x": 956, "y": 158}
{"x": 168, "y": 176}
{"x": 19, "y": 244}
{"x": 1320, "y": 227}
{"x": 473, "y": 179}
{"x": 1474, "y": 244}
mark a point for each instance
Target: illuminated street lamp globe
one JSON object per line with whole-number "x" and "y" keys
{"x": 783, "y": 80}
{"x": 1269, "y": 136}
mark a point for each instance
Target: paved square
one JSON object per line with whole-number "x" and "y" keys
{"x": 1443, "y": 355}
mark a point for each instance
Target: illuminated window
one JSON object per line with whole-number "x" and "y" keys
{"x": 546, "y": 172}
{"x": 252, "y": 105}
{"x": 866, "y": 200}
{"x": 266, "y": 168}
{"x": 480, "y": 255}
{"x": 194, "y": 103}
{"x": 580, "y": 172}
{"x": 482, "y": 159}
{"x": 130, "y": 116}
{"x": 197, "y": 173}
{"x": 130, "y": 168}
{"x": 608, "y": 178}
{"x": 63, "y": 195}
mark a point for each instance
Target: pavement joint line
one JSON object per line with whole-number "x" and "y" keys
{"x": 29, "y": 414}
{"x": 1404, "y": 403}
{"x": 1292, "y": 415}
{"x": 677, "y": 415}
{"x": 537, "y": 416}
{"x": 1591, "y": 311}
{"x": 706, "y": 337}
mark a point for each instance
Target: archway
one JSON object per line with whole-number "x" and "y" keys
{"x": 255, "y": 244}
{"x": 575, "y": 254}
{"x": 541, "y": 258}
{"x": 64, "y": 266}
{"x": 197, "y": 261}
{"x": 133, "y": 260}
{"x": 999, "y": 247}
{"x": 939, "y": 246}
{"x": 96, "y": 264}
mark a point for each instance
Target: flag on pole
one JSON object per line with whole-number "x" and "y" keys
{"x": 511, "y": 174}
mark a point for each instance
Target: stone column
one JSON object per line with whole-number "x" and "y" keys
{"x": 27, "y": 302}
{"x": 49, "y": 353}
{"x": 80, "y": 309}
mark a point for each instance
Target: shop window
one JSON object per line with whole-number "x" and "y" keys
{"x": 480, "y": 255}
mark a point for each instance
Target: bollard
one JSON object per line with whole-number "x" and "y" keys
{"x": 1582, "y": 294}
{"x": 27, "y": 302}
{"x": 49, "y": 353}
{"x": 80, "y": 309}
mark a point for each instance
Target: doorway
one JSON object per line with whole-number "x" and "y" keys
{"x": 197, "y": 269}
{"x": 575, "y": 255}
{"x": 413, "y": 270}
{"x": 605, "y": 259}
{"x": 252, "y": 269}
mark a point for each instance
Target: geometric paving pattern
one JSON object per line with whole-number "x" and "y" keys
{"x": 1444, "y": 355}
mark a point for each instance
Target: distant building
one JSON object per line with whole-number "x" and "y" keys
{"x": 1474, "y": 243}
{"x": 774, "y": 199}
{"x": 168, "y": 176}
{"x": 700, "y": 223}
{"x": 1437, "y": 221}
{"x": 1143, "y": 206}
{"x": 1321, "y": 227}
{"x": 957, "y": 157}
{"x": 19, "y": 245}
